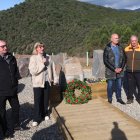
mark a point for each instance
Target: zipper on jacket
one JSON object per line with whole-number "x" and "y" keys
{"x": 133, "y": 61}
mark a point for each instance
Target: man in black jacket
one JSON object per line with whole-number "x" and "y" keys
{"x": 114, "y": 60}
{"x": 9, "y": 76}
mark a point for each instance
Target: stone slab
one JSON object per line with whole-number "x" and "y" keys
{"x": 73, "y": 71}
{"x": 98, "y": 68}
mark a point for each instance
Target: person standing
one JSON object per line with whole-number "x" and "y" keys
{"x": 114, "y": 60}
{"x": 133, "y": 69}
{"x": 41, "y": 70}
{"x": 9, "y": 76}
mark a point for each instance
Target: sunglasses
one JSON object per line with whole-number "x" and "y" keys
{"x": 40, "y": 47}
{"x": 3, "y": 46}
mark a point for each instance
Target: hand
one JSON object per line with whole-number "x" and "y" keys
{"x": 118, "y": 70}
{"x": 44, "y": 60}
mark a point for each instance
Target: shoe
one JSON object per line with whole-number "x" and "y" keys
{"x": 17, "y": 127}
{"x": 121, "y": 101}
{"x": 110, "y": 101}
{"x": 129, "y": 101}
{"x": 47, "y": 118}
{"x": 34, "y": 124}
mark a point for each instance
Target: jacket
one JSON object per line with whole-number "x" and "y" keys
{"x": 109, "y": 62}
{"x": 38, "y": 71}
{"x": 9, "y": 75}
{"x": 133, "y": 59}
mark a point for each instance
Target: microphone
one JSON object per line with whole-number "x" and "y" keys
{"x": 47, "y": 59}
{"x": 44, "y": 55}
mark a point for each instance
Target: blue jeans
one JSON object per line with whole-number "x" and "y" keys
{"x": 114, "y": 85}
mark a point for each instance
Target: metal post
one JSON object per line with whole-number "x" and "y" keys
{"x": 87, "y": 59}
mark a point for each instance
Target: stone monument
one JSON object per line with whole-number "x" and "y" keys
{"x": 73, "y": 69}
{"x": 98, "y": 68}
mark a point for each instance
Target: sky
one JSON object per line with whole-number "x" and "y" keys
{"x": 6, "y": 4}
{"x": 116, "y": 4}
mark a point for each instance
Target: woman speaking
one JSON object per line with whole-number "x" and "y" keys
{"x": 43, "y": 73}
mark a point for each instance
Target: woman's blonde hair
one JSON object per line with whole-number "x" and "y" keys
{"x": 37, "y": 44}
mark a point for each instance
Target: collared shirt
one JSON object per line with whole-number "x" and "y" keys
{"x": 116, "y": 52}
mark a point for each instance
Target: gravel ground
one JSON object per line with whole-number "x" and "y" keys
{"x": 45, "y": 131}
{"x": 49, "y": 130}
{"x": 132, "y": 110}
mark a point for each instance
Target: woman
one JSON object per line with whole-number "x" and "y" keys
{"x": 41, "y": 70}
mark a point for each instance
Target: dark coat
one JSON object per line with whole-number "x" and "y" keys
{"x": 109, "y": 61}
{"x": 9, "y": 75}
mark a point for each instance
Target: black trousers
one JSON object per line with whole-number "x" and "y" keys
{"x": 133, "y": 83}
{"x": 125, "y": 83}
{"x": 41, "y": 102}
{"x": 14, "y": 103}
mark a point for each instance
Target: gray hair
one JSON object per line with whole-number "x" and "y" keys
{"x": 133, "y": 36}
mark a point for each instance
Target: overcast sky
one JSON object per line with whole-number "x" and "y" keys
{"x": 117, "y": 4}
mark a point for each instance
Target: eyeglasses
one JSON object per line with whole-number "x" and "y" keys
{"x": 3, "y": 46}
{"x": 40, "y": 46}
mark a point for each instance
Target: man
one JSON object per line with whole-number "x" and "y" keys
{"x": 133, "y": 69}
{"x": 114, "y": 60}
{"x": 8, "y": 88}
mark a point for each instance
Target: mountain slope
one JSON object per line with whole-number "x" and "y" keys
{"x": 63, "y": 25}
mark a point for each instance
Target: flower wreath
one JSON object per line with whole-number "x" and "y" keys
{"x": 77, "y": 92}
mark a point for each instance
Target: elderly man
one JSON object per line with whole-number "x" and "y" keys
{"x": 114, "y": 60}
{"x": 8, "y": 88}
{"x": 133, "y": 69}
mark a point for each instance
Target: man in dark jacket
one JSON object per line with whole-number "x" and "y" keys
{"x": 8, "y": 88}
{"x": 114, "y": 60}
{"x": 132, "y": 52}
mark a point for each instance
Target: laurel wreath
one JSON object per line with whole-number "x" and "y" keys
{"x": 77, "y": 92}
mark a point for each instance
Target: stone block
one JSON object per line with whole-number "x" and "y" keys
{"x": 98, "y": 68}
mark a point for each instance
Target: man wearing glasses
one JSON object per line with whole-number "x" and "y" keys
{"x": 132, "y": 52}
{"x": 9, "y": 76}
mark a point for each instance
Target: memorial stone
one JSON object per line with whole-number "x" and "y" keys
{"x": 98, "y": 68}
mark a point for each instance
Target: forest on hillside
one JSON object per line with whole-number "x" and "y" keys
{"x": 65, "y": 26}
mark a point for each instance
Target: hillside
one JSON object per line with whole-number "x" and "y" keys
{"x": 64, "y": 26}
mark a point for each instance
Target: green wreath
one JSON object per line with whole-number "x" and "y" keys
{"x": 77, "y": 92}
